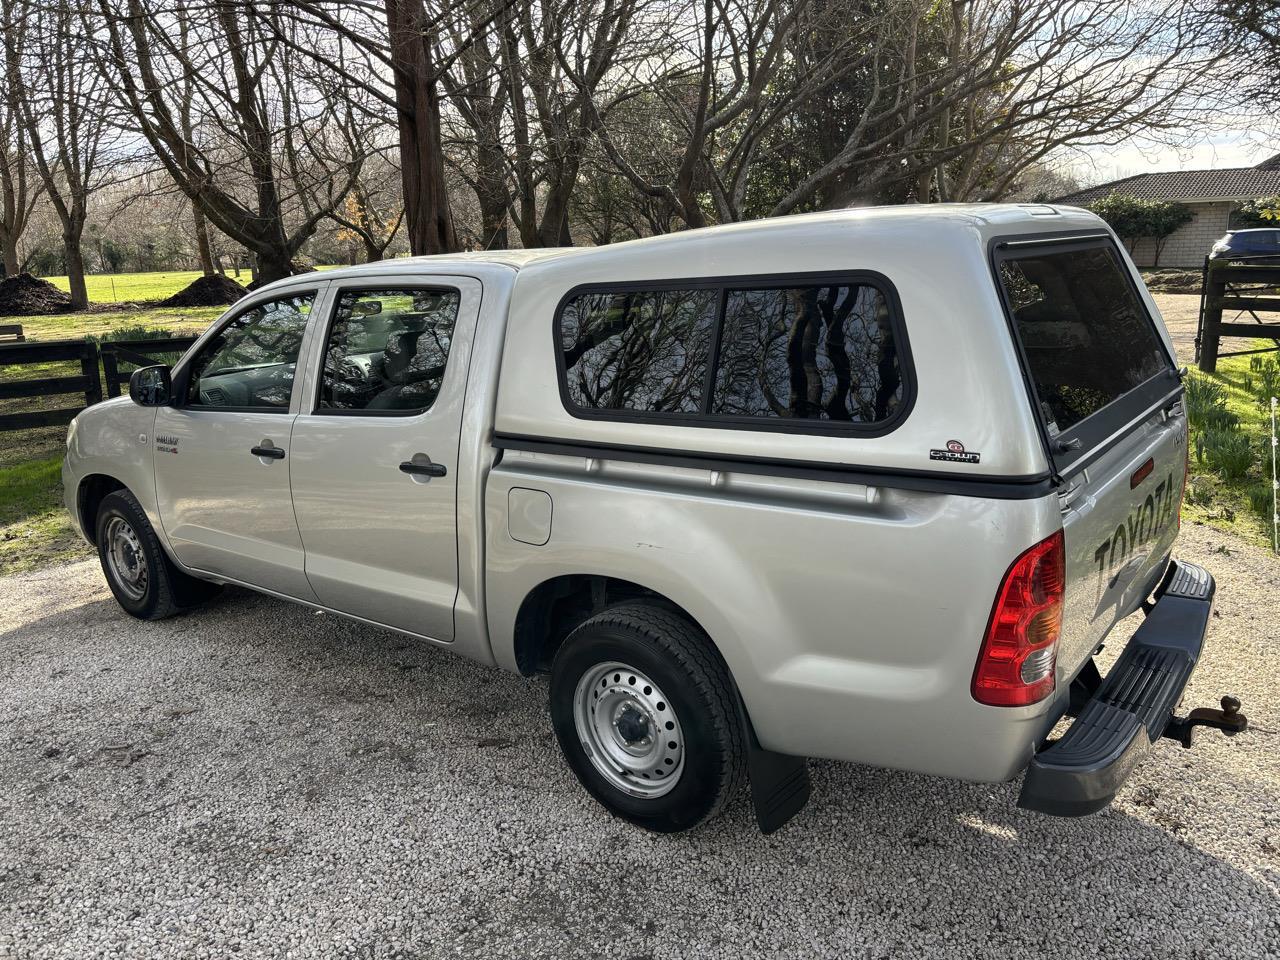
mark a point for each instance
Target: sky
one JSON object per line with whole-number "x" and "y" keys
{"x": 1222, "y": 148}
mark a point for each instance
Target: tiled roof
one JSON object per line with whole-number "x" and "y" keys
{"x": 1239, "y": 183}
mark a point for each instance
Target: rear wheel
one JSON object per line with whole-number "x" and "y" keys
{"x": 646, "y": 716}
{"x": 141, "y": 576}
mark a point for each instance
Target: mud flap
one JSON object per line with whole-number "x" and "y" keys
{"x": 779, "y": 782}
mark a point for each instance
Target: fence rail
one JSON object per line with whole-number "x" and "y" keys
{"x": 89, "y": 382}
{"x": 139, "y": 353}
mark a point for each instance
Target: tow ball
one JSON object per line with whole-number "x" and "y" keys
{"x": 1229, "y": 720}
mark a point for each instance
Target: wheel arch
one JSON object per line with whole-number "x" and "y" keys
{"x": 551, "y": 610}
{"x": 91, "y": 491}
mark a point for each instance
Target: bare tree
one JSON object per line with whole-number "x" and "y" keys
{"x": 1252, "y": 29}
{"x": 399, "y": 69}
{"x": 560, "y": 58}
{"x": 18, "y": 192}
{"x": 1019, "y": 80}
{"x": 899, "y": 98}
{"x": 479, "y": 92}
{"x": 261, "y": 163}
{"x": 66, "y": 110}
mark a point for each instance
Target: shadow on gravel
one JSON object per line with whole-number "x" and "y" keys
{"x": 328, "y": 783}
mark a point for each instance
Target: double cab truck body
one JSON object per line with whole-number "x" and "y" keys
{"x": 870, "y": 485}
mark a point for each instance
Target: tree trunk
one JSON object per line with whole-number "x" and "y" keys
{"x": 553, "y": 228}
{"x": 427, "y": 218}
{"x": 207, "y": 266}
{"x": 74, "y": 256}
{"x": 271, "y": 267}
{"x": 9, "y": 249}
{"x": 491, "y": 193}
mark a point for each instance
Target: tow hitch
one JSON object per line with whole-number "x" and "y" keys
{"x": 1229, "y": 720}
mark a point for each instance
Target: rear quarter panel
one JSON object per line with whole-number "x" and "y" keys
{"x": 849, "y": 616}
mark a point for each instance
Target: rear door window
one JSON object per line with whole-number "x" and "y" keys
{"x": 1086, "y": 334}
{"x": 387, "y": 350}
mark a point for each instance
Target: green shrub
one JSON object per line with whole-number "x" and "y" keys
{"x": 1219, "y": 419}
{"x": 1199, "y": 490}
{"x": 1228, "y": 453}
{"x": 1260, "y": 500}
{"x": 1267, "y": 384}
{"x": 136, "y": 331}
{"x": 1202, "y": 397}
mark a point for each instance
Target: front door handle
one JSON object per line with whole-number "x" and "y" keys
{"x": 426, "y": 469}
{"x": 271, "y": 453}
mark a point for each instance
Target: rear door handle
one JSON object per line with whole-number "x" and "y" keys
{"x": 427, "y": 469}
{"x": 272, "y": 453}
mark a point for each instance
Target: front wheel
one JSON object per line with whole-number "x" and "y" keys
{"x": 143, "y": 579}
{"x": 646, "y": 716}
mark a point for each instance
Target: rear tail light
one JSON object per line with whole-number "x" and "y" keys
{"x": 1016, "y": 664}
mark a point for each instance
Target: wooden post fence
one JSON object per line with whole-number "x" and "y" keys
{"x": 132, "y": 353}
{"x": 89, "y": 382}
{"x": 1242, "y": 288}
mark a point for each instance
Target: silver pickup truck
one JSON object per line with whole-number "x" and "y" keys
{"x": 869, "y": 485}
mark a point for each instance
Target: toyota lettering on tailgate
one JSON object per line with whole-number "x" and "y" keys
{"x": 1143, "y": 523}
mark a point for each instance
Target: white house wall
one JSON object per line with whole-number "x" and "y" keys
{"x": 1190, "y": 244}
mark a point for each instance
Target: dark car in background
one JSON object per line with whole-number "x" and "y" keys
{"x": 1237, "y": 244}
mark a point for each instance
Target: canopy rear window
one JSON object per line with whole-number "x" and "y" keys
{"x": 1086, "y": 334}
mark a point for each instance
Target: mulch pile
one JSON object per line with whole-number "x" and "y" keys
{"x": 1174, "y": 281}
{"x": 211, "y": 291}
{"x": 28, "y": 296}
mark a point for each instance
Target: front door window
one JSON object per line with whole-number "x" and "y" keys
{"x": 251, "y": 363}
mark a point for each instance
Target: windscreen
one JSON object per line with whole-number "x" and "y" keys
{"x": 1087, "y": 337}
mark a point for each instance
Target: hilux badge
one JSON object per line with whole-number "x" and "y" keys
{"x": 955, "y": 453}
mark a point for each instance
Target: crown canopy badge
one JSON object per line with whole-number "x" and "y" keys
{"x": 954, "y": 453}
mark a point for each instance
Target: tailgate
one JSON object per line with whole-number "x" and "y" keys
{"x": 1120, "y": 521}
{"x": 1108, "y": 397}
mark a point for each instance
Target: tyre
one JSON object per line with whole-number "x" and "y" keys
{"x": 647, "y": 717}
{"x": 141, "y": 576}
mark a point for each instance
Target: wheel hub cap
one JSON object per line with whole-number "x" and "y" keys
{"x": 125, "y": 559}
{"x": 629, "y": 730}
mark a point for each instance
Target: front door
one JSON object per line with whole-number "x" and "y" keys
{"x": 222, "y": 455}
{"x": 374, "y": 452}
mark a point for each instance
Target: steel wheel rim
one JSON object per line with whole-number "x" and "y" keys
{"x": 125, "y": 558}
{"x": 629, "y": 730}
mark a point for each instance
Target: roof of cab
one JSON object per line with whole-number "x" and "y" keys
{"x": 926, "y": 217}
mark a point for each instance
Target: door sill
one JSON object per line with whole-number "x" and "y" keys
{"x": 220, "y": 578}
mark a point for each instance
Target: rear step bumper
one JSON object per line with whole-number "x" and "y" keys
{"x": 1133, "y": 707}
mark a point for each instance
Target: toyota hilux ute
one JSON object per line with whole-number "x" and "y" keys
{"x": 869, "y": 485}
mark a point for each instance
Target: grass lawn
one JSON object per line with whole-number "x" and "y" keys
{"x": 1234, "y": 493}
{"x": 132, "y": 287}
{"x": 73, "y": 326}
{"x": 135, "y": 287}
{"x": 34, "y": 527}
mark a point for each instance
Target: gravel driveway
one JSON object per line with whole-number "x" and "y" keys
{"x": 258, "y": 780}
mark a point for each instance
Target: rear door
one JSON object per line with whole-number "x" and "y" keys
{"x": 1109, "y": 398}
{"x": 374, "y": 453}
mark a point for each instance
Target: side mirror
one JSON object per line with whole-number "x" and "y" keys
{"x": 150, "y": 386}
